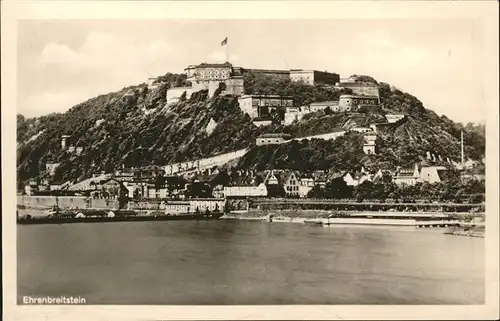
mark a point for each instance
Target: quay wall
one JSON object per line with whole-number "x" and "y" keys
{"x": 66, "y": 202}
{"x": 146, "y": 205}
{"x": 50, "y": 201}
{"x": 82, "y": 202}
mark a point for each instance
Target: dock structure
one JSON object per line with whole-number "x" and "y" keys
{"x": 422, "y": 224}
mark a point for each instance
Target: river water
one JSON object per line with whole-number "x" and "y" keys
{"x": 242, "y": 262}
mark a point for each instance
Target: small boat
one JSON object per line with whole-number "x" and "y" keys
{"x": 313, "y": 222}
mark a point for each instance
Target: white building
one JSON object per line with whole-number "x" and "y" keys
{"x": 246, "y": 191}
{"x": 305, "y": 185}
{"x": 270, "y": 139}
{"x": 203, "y": 205}
{"x": 262, "y": 105}
{"x": 353, "y": 102}
{"x": 407, "y": 176}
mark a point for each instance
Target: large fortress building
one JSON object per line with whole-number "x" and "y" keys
{"x": 208, "y": 76}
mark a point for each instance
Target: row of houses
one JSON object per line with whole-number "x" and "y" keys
{"x": 153, "y": 182}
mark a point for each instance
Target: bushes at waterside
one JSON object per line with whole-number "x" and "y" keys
{"x": 452, "y": 190}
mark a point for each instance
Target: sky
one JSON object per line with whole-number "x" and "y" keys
{"x": 64, "y": 62}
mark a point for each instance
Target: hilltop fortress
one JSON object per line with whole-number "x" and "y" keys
{"x": 230, "y": 80}
{"x": 208, "y": 76}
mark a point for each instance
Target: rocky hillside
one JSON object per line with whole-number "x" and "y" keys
{"x": 134, "y": 126}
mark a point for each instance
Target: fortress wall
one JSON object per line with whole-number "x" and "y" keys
{"x": 222, "y": 158}
{"x": 327, "y": 136}
{"x": 204, "y": 163}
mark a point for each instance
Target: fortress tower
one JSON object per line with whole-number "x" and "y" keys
{"x": 64, "y": 139}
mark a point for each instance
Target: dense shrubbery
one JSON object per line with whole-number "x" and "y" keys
{"x": 452, "y": 190}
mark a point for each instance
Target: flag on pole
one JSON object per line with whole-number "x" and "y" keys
{"x": 224, "y": 42}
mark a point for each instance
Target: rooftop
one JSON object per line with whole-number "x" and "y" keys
{"x": 359, "y": 96}
{"x": 265, "y": 96}
{"x": 205, "y": 64}
{"x": 275, "y": 71}
{"x": 321, "y": 103}
{"x": 311, "y": 70}
{"x": 274, "y": 135}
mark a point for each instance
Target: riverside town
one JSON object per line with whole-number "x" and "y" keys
{"x": 176, "y": 191}
{"x": 247, "y": 182}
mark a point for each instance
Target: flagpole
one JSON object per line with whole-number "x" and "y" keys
{"x": 227, "y": 51}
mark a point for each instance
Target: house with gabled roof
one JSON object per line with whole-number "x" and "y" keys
{"x": 357, "y": 177}
{"x": 274, "y": 183}
{"x": 290, "y": 181}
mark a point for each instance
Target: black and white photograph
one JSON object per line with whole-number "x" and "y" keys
{"x": 223, "y": 160}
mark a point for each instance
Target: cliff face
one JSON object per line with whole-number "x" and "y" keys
{"x": 134, "y": 126}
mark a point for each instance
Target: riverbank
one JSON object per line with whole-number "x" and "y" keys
{"x": 290, "y": 216}
{"x": 295, "y": 214}
{"x": 453, "y": 225}
{"x": 471, "y": 231}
